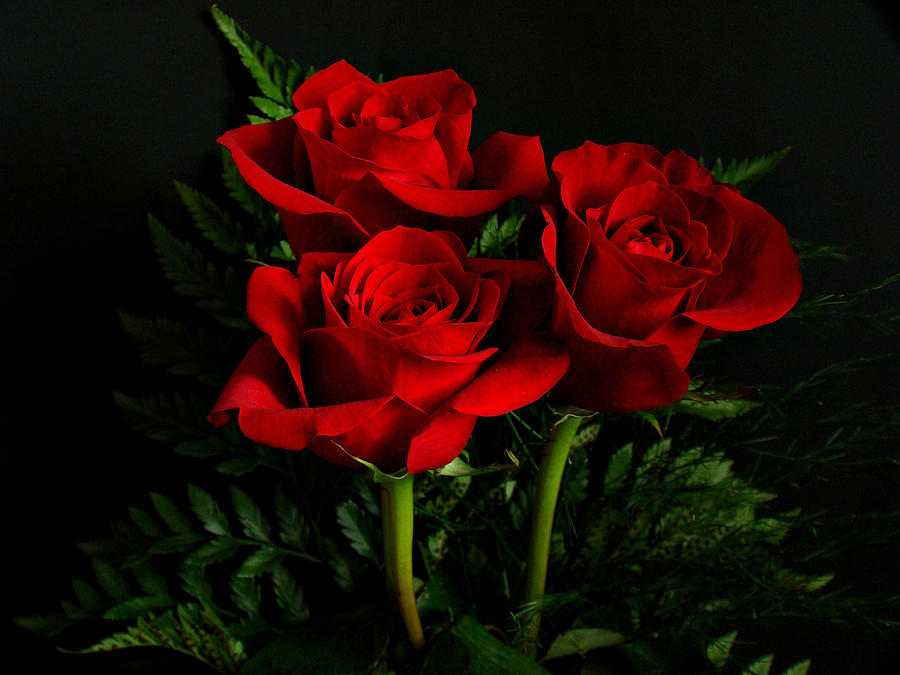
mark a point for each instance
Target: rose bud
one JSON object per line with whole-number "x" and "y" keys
{"x": 360, "y": 157}
{"x": 650, "y": 253}
{"x": 390, "y": 354}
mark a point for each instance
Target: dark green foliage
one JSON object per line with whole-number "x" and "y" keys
{"x": 744, "y": 173}
{"x": 277, "y": 78}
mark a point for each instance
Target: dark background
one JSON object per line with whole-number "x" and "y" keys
{"x": 104, "y": 103}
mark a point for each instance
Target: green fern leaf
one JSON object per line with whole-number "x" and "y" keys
{"x": 135, "y": 607}
{"x": 186, "y": 629}
{"x": 219, "y": 549}
{"x": 247, "y": 594}
{"x": 164, "y": 342}
{"x": 215, "y": 224}
{"x": 147, "y": 524}
{"x": 194, "y": 276}
{"x": 276, "y": 77}
{"x": 263, "y": 560}
{"x": 294, "y": 531}
{"x": 255, "y": 524}
{"x": 289, "y": 594}
{"x": 112, "y": 582}
{"x": 743, "y": 174}
{"x": 270, "y": 108}
{"x": 357, "y": 527}
{"x": 207, "y": 510}
{"x": 172, "y": 516}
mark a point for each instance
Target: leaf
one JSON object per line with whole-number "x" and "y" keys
{"x": 489, "y": 656}
{"x": 617, "y": 469}
{"x": 87, "y": 595}
{"x": 248, "y": 198}
{"x": 801, "y": 668}
{"x": 761, "y": 666}
{"x": 238, "y": 466}
{"x": 203, "y": 448}
{"x": 294, "y": 530}
{"x": 247, "y": 594}
{"x": 276, "y": 77}
{"x": 263, "y": 560}
{"x": 46, "y": 625}
{"x": 255, "y": 524}
{"x": 219, "y": 549}
{"x": 357, "y": 527}
{"x": 582, "y": 640}
{"x": 134, "y": 607}
{"x": 718, "y": 651}
{"x": 174, "y": 517}
{"x": 714, "y": 409}
{"x": 196, "y": 582}
{"x": 743, "y": 174}
{"x": 218, "y": 293}
{"x": 150, "y": 580}
{"x": 439, "y": 595}
{"x": 458, "y": 467}
{"x": 160, "y": 418}
{"x": 271, "y": 109}
{"x": 289, "y": 594}
{"x": 496, "y": 239}
{"x": 178, "y": 543}
{"x": 111, "y": 580}
{"x": 188, "y": 630}
{"x": 163, "y": 342}
{"x": 215, "y": 224}
{"x": 347, "y": 643}
{"x": 207, "y": 510}
{"x": 145, "y": 522}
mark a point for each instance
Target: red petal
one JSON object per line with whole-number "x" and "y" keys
{"x": 371, "y": 366}
{"x": 439, "y": 441}
{"x": 275, "y": 300}
{"x": 523, "y": 373}
{"x": 760, "y": 279}
{"x": 383, "y": 440}
{"x": 313, "y": 93}
{"x": 593, "y": 175}
{"x": 259, "y": 390}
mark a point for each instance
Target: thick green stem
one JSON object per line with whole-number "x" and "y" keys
{"x": 546, "y": 492}
{"x": 398, "y": 531}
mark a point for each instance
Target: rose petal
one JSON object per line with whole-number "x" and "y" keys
{"x": 372, "y": 366}
{"x": 314, "y": 91}
{"x": 382, "y": 440}
{"x": 611, "y": 374}
{"x": 525, "y": 371}
{"x": 439, "y": 441}
{"x": 260, "y": 390}
{"x": 760, "y": 279}
{"x": 593, "y": 175}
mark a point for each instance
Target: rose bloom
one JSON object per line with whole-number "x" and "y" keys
{"x": 359, "y": 157}
{"x": 650, "y": 254}
{"x": 390, "y": 354}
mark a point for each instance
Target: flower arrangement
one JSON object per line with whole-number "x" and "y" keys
{"x": 457, "y": 421}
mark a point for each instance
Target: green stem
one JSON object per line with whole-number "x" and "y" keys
{"x": 386, "y": 536}
{"x": 549, "y": 477}
{"x": 398, "y": 530}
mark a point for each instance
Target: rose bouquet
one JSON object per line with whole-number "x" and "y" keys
{"x": 455, "y": 415}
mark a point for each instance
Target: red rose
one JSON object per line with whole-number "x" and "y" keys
{"x": 379, "y": 354}
{"x": 650, "y": 253}
{"x": 359, "y": 157}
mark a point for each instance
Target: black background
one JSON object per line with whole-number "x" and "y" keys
{"x": 104, "y": 103}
